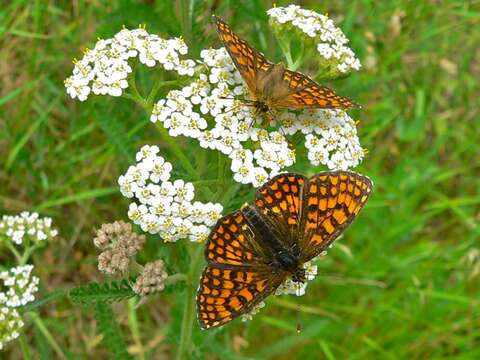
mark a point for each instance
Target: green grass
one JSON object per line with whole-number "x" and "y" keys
{"x": 398, "y": 287}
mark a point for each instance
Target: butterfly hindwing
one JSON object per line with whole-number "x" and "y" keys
{"x": 226, "y": 292}
{"x": 306, "y": 93}
{"x": 331, "y": 201}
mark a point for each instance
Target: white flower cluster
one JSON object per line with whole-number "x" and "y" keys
{"x": 334, "y": 142}
{"x": 297, "y": 288}
{"x": 17, "y": 290}
{"x": 27, "y": 227}
{"x": 205, "y": 110}
{"x": 10, "y": 325}
{"x": 19, "y": 285}
{"x": 162, "y": 206}
{"x": 104, "y": 69}
{"x": 331, "y": 41}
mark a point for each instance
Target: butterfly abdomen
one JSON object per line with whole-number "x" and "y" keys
{"x": 281, "y": 256}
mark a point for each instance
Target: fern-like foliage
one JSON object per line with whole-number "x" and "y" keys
{"x": 112, "y": 335}
{"x": 116, "y": 133}
{"x": 104, "y": 293}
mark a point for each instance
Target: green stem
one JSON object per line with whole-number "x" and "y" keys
{"x": 171, "y": 143}
{"x": 173, "y": 146}
{"x": 134, "y": 327}
{"x": 172, "y": 279}
{"x": 48, "y": 336}
{"x": 158, "y": 85}
{"x": 27, "y": 355}
{"x": 192, "y": 281}
{"x": 285, "y": 47}
{"x": 27, "y": 253}
{"x": 184, "y": 346}
{"x": 186, "y": 9}
{"x": 14, "y": 251}
{"x": 136, "y": 96}
{"x": 140, "y": 102}
{"x": 300, "y": 59}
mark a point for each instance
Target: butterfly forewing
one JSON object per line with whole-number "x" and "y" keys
{"x": 247, "y": 60}
{"x": 232, "y": 242}
{"x": 280, "y": 201}
{"x": 331, "y": 201}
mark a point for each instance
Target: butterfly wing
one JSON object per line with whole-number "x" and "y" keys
{"x": 331, "y": 201}
{"x": 236, "y": 277}
{"x": 303, "y": 93}
{"x": 228, "y": 292}
{"x": 247, "y": 60}
{"x": 280, "y": 200}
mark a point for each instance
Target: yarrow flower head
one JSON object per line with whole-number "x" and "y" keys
{"x": 10, "y": 324}
{"x": 104, "y": 69}
{"x": 318, "y": 30}
{"x": 165, "y": 206}
{"x": 119, "y": 243}
{"x": 152, "y": 279}
{"x": 27, "y": 227}
{"x": 225, "y": 125}
{"x": 17, "y": 288}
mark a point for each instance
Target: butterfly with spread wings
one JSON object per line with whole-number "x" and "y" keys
{"x": 271, "y": 86}
{"x": 251, "y": 252}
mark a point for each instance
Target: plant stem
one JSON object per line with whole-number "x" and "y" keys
{"x": 184, "y": 346}
{"x": 285, "y": 47}
{"x": 134, "y": 328}
{"x": 171, "y": 143}
{"x": 172, "y": 279}
{"x": 27, "y": 355}
{"x": 14, "y": 251}
{"x": 48, "y": 336}
{"x": 193, "y": 275}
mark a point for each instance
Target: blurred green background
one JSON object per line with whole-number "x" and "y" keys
{"x": 404, "y": 281}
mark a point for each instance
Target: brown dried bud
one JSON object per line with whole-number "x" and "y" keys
{"x": 152, "y": 279}
{"x": 113, "y": 260}
{"x": 119, "y": 243}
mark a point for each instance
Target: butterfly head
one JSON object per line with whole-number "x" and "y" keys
{"x": 260, "y": 107}
{"x": 299, "y": 275}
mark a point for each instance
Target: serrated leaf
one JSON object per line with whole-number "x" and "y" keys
{"x": 107, "y": 292}
{"x": 112, "y": 335}
{"x": 116, "y": 133}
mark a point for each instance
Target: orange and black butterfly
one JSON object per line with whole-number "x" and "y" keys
{"x": 251, "y": 252}
{"x": 271, "y": 86}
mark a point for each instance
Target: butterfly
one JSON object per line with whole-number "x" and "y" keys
{"x": 271, "y": 86}
{"x": 252, "y": 251}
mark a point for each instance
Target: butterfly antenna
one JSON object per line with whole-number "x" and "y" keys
{"x": 299, "y": 324}
{"x": 232, "y": 109}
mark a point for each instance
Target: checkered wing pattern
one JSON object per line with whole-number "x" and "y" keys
{"x": 247, "y": 60}
{"x": 306, "y": 93}
{"x": 228, "y": 292}
{"x": 236, "y": 277}
{"x": 331, "y": 201}
{"x": 280, "y": 201}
